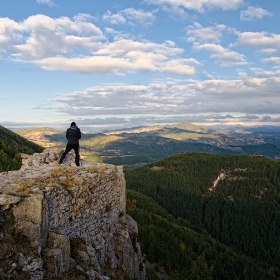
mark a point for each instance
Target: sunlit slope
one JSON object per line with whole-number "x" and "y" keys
{"x": 11, "y": 145}
{"x": 186, "y": 126}
{"x": 43, "y": 136}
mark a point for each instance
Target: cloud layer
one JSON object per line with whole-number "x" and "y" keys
{"x": 77, "y": 45}
{"x": 253, "y": 13}
{"x": 129, "y": 16}
{"x": 242, "y": 96}
{"x": 46, "y": 2}
{"x": 173, "y": 61}
{"x": 199, "y": 5}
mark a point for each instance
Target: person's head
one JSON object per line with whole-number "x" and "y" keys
{"x": 73, "y": 124}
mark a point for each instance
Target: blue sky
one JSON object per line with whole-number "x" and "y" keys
{"x": 115, "y": 64}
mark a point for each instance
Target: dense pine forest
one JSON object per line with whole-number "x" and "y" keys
{"x": 11, "y": 145}
{"x": 205, "y": 216}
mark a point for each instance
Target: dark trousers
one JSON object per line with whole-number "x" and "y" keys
{"x": 69, "y": 147}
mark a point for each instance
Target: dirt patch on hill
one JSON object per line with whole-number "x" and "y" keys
{"x": 156, "y": 168}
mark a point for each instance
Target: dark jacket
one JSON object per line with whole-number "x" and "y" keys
{"x": 73, "y": 134}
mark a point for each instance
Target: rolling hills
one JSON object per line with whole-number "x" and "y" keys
{"x": 138, "y": 146}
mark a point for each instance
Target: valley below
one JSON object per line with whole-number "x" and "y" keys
{"x": 138, "y": 146}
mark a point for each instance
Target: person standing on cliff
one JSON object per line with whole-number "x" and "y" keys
{"x": 73, "y": 134}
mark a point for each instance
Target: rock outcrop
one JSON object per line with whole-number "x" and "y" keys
{"x": 66, "y": 221}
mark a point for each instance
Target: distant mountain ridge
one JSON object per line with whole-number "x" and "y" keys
{"x": 185, "y": 126}
{"x": 141, "y": 145}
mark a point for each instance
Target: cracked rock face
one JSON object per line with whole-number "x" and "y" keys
{"x": 73, "y": 218}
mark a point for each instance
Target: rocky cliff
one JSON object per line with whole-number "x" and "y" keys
{"x": 66, "y": 222}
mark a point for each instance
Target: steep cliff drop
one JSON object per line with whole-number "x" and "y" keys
{"x": 66, "y": 222}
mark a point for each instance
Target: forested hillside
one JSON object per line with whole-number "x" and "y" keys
{"x": 11, "y": 145}
{"x": 217, "y": 212}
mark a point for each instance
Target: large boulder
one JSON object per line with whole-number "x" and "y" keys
{"x": 32, "y": 219}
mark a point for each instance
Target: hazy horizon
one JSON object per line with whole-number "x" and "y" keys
{"x": 89, "y": 129}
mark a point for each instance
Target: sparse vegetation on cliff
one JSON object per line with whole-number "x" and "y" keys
{"x": 63, "y": 222}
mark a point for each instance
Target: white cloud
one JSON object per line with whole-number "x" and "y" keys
{"x": 117, "y": 35}
{"x": 253, "y": 13}
{"x": 40, "y": 36}
{"x": 272, "y": 60}
{"x": 267, "y": 51}
{"x": 86, "y": 65}
{"x": 225, "y": 57}
{"x": 129, "y": 15}
{"x": 170, "y": 43}
{"x": 112, "y": 31}
{"x": 198, "y": 33}
{"x": 175, "y": 12}
{"x": 258, "y": 40}
{"x": 256, "y": 94}
{"x": 147, "y": 56}
{"x": 82, "y": 17}
{"x": 120, "y": 99}
{"x": 114, "y": 18}
{"x": 199, "y": 5}
{"x": 77, "y": 45}
{"x": 10, "y": 33}
{"x": 124, "y": 56}
{"x": 180, "y": 66}
{"x": 251, "y": 95}
{"x": 46, "y": 2}
{"x": 145, "y": 18}
{"x": 261, "y": 73}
